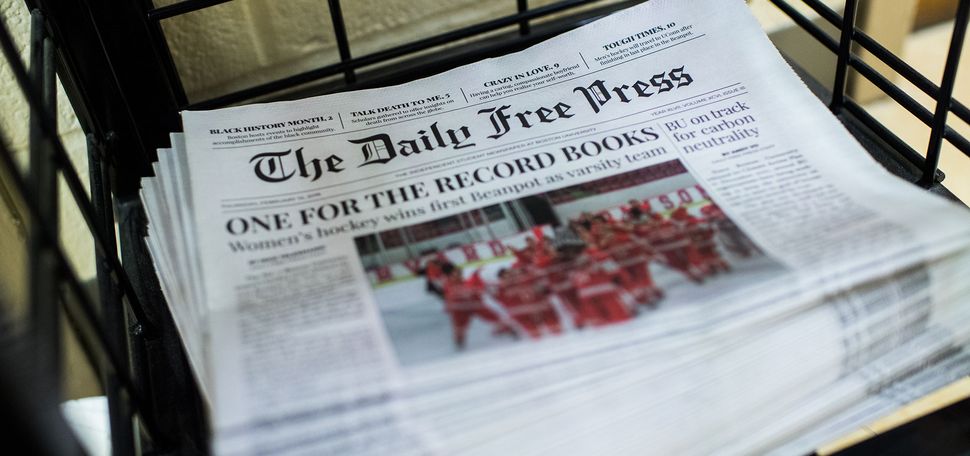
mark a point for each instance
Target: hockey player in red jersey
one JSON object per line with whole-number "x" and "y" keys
{"x": 693, "y": 232}
{"x": 600, "y": 285}
{"x": 522, "y": 256}
{"x": 526, "y": 300}
{"x": 600, "y": 229}
{"x": 635, "y": 208}
{"x": 702, "y": 254}
{"x": 525, "y": 256}
{"x": 672, "y": 243}
{"x": 543, "y": 254}
{"x": 633, "y": 254}
{"x": 702, "y": 233}
{"x": 434, "y": 276}
{"x": 463, "y": 300}
{"x": 557, "y": 274}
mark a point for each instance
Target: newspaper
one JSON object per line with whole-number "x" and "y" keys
{"x": 644, "y": 235}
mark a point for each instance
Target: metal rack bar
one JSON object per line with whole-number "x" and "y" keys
{"x": 181, "y": 7}
{"x": 909, "y": 103}
{"x": 42, "y": 181}
{"x": 886, "y": 135}
{"x": 882, "y": 82}
{"x": 879, "y": 51}
{"x": 844, "y": 55}
{"x": 945, "y": 99}
{"x": 340, "y": 32}
{"x": 523, "y": 6}
{"x": 112, "y": 309}
{"x": 807, "y": 25}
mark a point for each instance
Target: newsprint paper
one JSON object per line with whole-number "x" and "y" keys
{"x": 644, "y": 236}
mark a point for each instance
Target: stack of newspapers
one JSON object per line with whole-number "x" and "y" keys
{"x": 644, "y": 236}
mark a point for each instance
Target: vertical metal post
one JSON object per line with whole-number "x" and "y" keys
{"x": 475, "y": 226}
{"x": 525, "y": 218}
{"x": 381, "y": 251}
{"x": 510, "y": 213}
{"x": 946, "y": 94}
{"x": 523, "y": 6}
{"x": 845, "y": 54}
{"x": 42, "y": 182}
{"x": 464, "y": 227}
{"x": 488, "y": 224}
{"x": 340, "y": 32}
{"x": 112, "y": 310}
{"x": 163, "y": 55}
{"x": 407, "y": 242}
{"x": 552, "y": 206}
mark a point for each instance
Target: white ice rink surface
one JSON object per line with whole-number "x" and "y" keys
{"x": 421, "y": 331}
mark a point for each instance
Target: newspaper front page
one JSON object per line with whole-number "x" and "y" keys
{"x": 644, "y": 233}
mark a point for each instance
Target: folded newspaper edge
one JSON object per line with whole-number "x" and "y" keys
{"x": 645, "y": 234}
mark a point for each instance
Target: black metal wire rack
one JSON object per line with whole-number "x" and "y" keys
{"x": 117, "y": 69}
